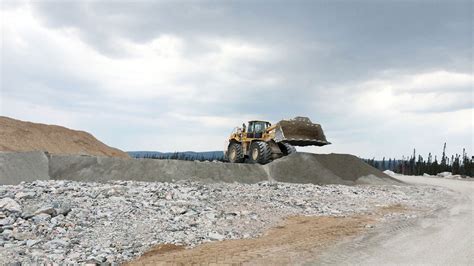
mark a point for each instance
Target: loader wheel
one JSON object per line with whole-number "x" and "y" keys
{"x": 286, "y": 148}
{"x": 260, "y": 152}
{"x": 234, "y": 153}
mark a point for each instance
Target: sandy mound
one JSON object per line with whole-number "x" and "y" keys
{"x": 16, "y": 135}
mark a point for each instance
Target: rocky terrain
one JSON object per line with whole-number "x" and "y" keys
{"x": 71, "y": 222}
{"x": 22, "y": 136}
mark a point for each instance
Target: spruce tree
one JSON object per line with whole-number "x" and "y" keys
{"x": 443, "y": 158}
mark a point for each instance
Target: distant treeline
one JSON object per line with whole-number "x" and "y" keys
{"x": 185, "y": 156}
{"x": 459, "y": 164}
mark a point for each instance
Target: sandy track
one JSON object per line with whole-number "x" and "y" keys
{"x": 446, "y": 237}
{"x": 297, "y": 240}
{"x": 294, "y": 241}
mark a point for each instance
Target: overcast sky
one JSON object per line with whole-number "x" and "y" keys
{"x": 381, "y": 78}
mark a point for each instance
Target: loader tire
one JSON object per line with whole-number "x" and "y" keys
{"x": 260, "y": 152}
{"x": 286, "y": 148}
{"x": 234, "y": 153}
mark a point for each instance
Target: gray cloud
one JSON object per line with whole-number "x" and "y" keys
{"x": 322, "y": 42}
{"x": 361, "y": 32}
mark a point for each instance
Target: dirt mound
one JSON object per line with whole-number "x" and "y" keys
{"x": 326, "y": 169}
{"x": 20, "y": 136}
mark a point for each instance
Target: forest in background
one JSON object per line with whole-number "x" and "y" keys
{"x": 416, "y": 164}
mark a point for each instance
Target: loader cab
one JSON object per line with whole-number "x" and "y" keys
{"x": 257, "y": 128}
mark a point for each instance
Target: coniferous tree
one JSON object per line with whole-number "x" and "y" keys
{"x": 443, "y": 158}
{"x": 419, "y": 166}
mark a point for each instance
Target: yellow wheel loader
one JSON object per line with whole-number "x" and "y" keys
{"x": 261, "y": 142}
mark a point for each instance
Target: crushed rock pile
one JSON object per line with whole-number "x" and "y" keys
{"x": 297, "y": 168}
{"x": 75, "y": 222}
{"x": 21, "y": 136}
{"x": 326, "y": 169}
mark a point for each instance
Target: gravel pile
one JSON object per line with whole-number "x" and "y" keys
{"x": 74, "y": 222}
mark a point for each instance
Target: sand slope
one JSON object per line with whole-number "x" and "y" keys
{"x": 20, "y": 136}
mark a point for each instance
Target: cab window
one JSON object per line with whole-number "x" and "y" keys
{"x": 251, "y": 128}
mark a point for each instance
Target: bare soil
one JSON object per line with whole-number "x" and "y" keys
{"x": 294, "y": 241}
{"x": 20, "y": 136}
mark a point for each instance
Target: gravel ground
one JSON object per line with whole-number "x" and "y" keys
{"x": 73, "y": 222}
{"x": 442, "y": 237}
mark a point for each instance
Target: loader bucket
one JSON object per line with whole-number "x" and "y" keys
{"x": 300, "y": 131}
